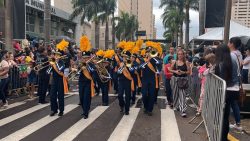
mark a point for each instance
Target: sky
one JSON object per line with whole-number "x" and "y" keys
{"x": 194, "y": 24}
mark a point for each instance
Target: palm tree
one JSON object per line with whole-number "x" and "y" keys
{"x": 182, "y": 4}
{"x": 108, "y": 8}
{"x": 193, "y": 4}
{"x": 88, "y": 9}
{"x": 126, "y": 27}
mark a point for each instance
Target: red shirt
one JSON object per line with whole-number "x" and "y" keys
{"x": 167, "y": 73}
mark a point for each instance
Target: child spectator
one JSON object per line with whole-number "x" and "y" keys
{"x": 168, "y": 76}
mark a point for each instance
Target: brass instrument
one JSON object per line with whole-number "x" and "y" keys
{"x": 41, "y": 66}
{"x": 102, "y": 72}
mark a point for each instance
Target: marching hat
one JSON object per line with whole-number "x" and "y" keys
{"x": 85, "y": 46}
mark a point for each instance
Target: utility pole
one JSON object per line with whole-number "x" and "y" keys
{"x": 202, "y": 8}
{"x": 8, "y": 26}
{"x": 47, "y": 21}
{"x": 227, "y": 20}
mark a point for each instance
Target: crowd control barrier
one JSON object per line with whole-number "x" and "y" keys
{"x": 213, "y": 107}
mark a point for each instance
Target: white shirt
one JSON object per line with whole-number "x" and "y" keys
{"x": 247, "y": 66}
{"x": 4, "y": 65}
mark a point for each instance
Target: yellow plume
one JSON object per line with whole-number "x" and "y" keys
{"x": 62, "y": 45}
{"x": 109, "y": 54}
{"x": 100, "y": 53}
{"x": 135, "y": 50}
{"x": 85, "y": 44}
{"x": 139, "y": 43}
{"x": 121, "y": 44}
{"x": 143, "y": 52}
{"x": 129, "y": 46}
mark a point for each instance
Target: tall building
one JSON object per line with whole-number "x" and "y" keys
{"x": 143, "y": 10}
{"x": 241, "y": 12}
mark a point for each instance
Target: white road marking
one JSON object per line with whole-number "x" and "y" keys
{"x": 21, "y": 114}
{"x": 82, "y": 124}
{"x": 12, "y": 106}
{"x": 123, "y": 129}
{"x": 138, "y": 97}
{"x": 169, "y": 127}
{"x": 24, "y": 132}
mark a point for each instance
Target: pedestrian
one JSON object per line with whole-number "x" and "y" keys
{"x": 234, "y": 46}
{"x": 246, "y": 66}
{"x": 4, "y": 75}
{"x": 180, "y": 70}
{"x": 168, "y": 76}
{"x": 171, "y": 53}
{"x": 226, "y": 67}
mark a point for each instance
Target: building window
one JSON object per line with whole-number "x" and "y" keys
{"x": 30, "y": 23}
{"x": 41, "y": 25}
{"x": 54, "y": 28}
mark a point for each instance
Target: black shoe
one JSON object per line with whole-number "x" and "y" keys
{"x": 44, "y": 102}
{"x": 60, "y": 114}
{"x": 52, "y": 114}
{"x": 105, "y": 104}
{"x": 150, "y": 113}
{"x": 85, "y": 116}
{"x": 122, "y": 110}
{"x": 79, "y": 104}
{"x": 127, "y": 113}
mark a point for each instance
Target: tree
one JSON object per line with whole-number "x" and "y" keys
{"x": 88, "y": 9}
{"x": 108, "y": 7}
{"x": 1, "y": 3}
{"x": 126, "y": 27}
{"x": 184, "y": 6}
{"x": 8, "y": 25}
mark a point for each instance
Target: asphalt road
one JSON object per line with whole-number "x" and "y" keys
{"x": 27, "y": 121}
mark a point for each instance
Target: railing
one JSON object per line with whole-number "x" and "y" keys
{"x": 213, "y": 107}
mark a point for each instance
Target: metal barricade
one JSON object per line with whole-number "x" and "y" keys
{"x": 194, "y": 87}
{"x": 213, "y": 107}
{"x": 18, "y": 78}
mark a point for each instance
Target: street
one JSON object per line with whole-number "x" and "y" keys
{"x": 28, "y": 121}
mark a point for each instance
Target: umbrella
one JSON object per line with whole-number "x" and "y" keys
{"x": 60, "y": 38}
{"x": 245, "y": 40}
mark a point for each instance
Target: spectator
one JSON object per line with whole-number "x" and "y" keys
{"x": 171, "y": 53}
{"x": 11, "y": 61}
{"x": 168, "y": 76}
{"x": 180, "y": 70}
{"x": 226, "y": 68}
{"x": 31, "y": 79}
{"x": 234, "y": 46}
{"x": 4, "y": 75}
{"x": 246, "y": 67}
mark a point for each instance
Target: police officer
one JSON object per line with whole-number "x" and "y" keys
{"x": 57, "y": 86}
{"x": 149, "y": 81}
{"x": 125, "y": 82}
{"x": 136, "y": 77}
{"x": 43, "y": 81}
{"x": 159, "y": 68}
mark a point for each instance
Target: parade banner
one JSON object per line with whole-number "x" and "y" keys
{"x": 215, "y": 13}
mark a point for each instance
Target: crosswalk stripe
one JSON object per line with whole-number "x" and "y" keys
{"x": 169, "y": 127}
{"x": 82, "y": 124}
{"x": 24, "y": 132}
{"x": 123, "y": 129}
{"x": 21, "y": 114}
{"x": 12, "y": 106}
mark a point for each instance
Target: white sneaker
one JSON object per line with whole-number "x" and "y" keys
{"x": 235, "y": 126}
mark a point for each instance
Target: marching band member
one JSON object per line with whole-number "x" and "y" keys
{"x": 106, "y": 84}
{"x": 149, "y": 77}
{"x": 158, "y": 74}
{"x": 43, "y": 81}
{"x": 99, "y": 54}
{"x": 86, "y": 83}
{"x": 135, "y": 64}
{"x": 59, "y": 83}
{"x": 126, "y": 82}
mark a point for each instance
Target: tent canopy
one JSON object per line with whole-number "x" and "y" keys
{"x": 217, "y": 34}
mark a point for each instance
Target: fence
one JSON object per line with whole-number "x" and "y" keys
{"x": 213, "y": 107}
{"x": 18, "y": 79}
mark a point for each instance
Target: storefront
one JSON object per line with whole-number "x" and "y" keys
{"x": 28, "y": 16}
